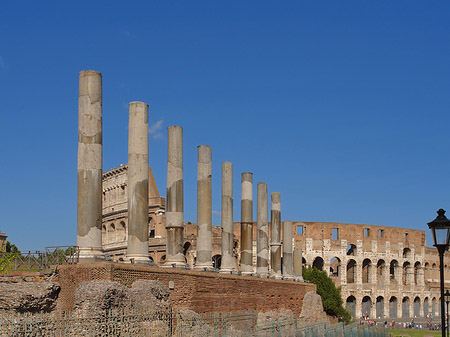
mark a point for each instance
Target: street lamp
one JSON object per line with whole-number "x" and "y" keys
{"x": 440, "y": 230}
{"x": 447, "y": 300}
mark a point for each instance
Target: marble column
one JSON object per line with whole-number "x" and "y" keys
{"x": 227, "y": 264}
{"x": 89, "y": 203}
{"x": 174, "y": 198}
{"x": 262, "y": 233}
{"x": 275, "y": 235}
{"x": 137, "y": 248}
{"x": 204, "y": 209}
{"x": 246, "y": 223}
{"x": 287, "y": 249}
{"x": 297, "y": 270}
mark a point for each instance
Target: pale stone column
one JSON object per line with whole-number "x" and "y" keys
{"x": 174, "y": 200}
{"x": 89, "y": 203}
{"x": 204, "y": 209}
{"x": 287, "y": 250}
{"x": 275, "y": 235}
{"x": 298, "y": 272}
{"x": 262, "y": 233}
{"x": 137, "y": 248}
{"x": 246, "y": 223}
{"x": 227, "y": 264}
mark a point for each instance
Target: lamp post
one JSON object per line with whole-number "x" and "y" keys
{"x": 447, "y": 300}
{"x": 440, "y": 230}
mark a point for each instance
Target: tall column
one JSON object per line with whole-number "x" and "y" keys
{"x": 298, "y": 272}
{"x": 246, "y": 223}
{"x": 227, "y": 264}
{"x": 262, "y": 233}
{"x": 287, "y": 249}
{"x": 275, "y": 235}
{"x": 204, "y": 208}
{"x": 137, "y": 248}
{"x": 174, "y": 198}
{"x": 89, "y": 203}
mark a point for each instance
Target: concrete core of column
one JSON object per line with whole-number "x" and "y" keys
{"x": 287, "y": 249}
{"x": 246, "y": 266}
{"x": 89, "y": 203}
{"x": 262, "y": 231}
{"x": 275, "y": 235}
{"x": 227, "y": 264}
{"x": 137, "y": 247}
{"x": 298, "y": 264}
{"x": 174, "y": 199}
{"x": 204, "y": 209}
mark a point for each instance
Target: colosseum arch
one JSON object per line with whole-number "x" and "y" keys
{"x": 304, "y": 262}
{"x": 381, "y": 270}
{"x": 351, "y": 250}
{"x": 380, "y": 307}
{"x": 366, "y": 270}
{"x": 104, "y": 235}
{"x": 433, "y": 306}
{"x": 405, "y": 271}
{"x": 366, "y": 305}
{"x": 217, "y": 261}
{"x": 416, "y": 307}
{"x": 111, "y": 233}
{"x": 350, "y": 304}
{"x": 351, "y": 271}
{"x": 425, "y": 306}
{"x": 121, "y": 232}
{"x": 417, "y": 267}
{"x": 393, "y": 307}
{"x": 434, "y": 272}
{"x": 405, "y": 307}
{"x": 393, "y": 266}
{"x": 426, "y": 271}
{"x": 335, "y": 267}
{"x": 318, "y": 263}
{"x": 188, "y": 257}
{"x": 406, "y": 253}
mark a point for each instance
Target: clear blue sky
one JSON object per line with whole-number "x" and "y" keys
{"x": 342, "y": 106}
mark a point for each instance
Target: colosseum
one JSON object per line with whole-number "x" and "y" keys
{"x": 382, "y": 271}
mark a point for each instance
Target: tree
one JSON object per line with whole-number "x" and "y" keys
{"x": 11, "y": 248}
{"x": 331, "y": 296}
{"x": 7, "y": 258}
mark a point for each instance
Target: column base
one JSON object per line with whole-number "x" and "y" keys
{"x": 276, "y": 276}
{"x": 226, "y": 270}
{"x": 204, "y": 267}
{"x": 91, "y": 255}
{"x": 138, "y": 259}
{"x": 175, "y": 261}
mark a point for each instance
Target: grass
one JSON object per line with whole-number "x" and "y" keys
{"x": 414, "y": 332}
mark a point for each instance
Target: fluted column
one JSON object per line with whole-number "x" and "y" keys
{"x": 287, "y": 249}
{"x": 174, "y": 198}
{"x": 262, "y": 233}
{"x": 137, "y": 248}
{"x": 89, "y": 203}
{"x": 246, "y": 223}
{"x": 275, "y": 235}
{"x": 227, "y": 264}
{"x": 204, "y": 209}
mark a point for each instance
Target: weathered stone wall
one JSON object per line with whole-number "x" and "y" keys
{"x": 197, "y": 291}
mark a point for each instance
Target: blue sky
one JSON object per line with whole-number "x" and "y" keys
{"x": 342, "y": 106}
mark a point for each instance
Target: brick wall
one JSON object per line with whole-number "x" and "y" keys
{"x": 198, "y": 291}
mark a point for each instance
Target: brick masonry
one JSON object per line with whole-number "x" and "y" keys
{"x": 198, "y": 291}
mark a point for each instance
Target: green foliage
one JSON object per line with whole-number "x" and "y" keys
{"x": 11, "y": 248}
{"x": 331, "y": 296}
{"x": 6, "y": 262}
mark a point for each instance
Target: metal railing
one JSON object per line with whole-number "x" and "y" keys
{"x": 171, "y": 324}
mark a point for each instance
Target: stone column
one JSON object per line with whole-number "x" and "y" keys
{"x": 275, "y": 235}
{"x": 89, "y": 203}
{"x": 137, "y": 248}
{"x": 298, "y": 273}
{"x": 204, "y": 209}
{"x": 227, "y": 264}
{"x": 262, "y": 233}
{"x": 174, "y": 199}
{"x": 246, "y": 223}
{"x": 287, "y": 249}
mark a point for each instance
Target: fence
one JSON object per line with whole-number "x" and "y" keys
{"x": 170, "y": 324}
{"x": 39, "y": 261}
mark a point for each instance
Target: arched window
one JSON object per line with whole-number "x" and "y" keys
{"x": 350, "y": 304}
{"x": 217, "y": 261}
{"x": 380, "y": 307}
{"x": 416, "y": 272}
{"x": 366, "y": 306}
{"x": 381, "y": 270}
{"x": 351, "y": 271}
{"x": 393, "y": 307}
{"x": 351, "y": 250}
{"x": 406, "y": 267}
{"x": 335, "y": 267}
{"x": 405, "y": 307}
{"x": 392, "y": 269}
{"x": 366, "y": 270}
{"x": 318, "y": 263}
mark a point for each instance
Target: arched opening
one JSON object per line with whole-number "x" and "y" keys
{"x": 350, "y": 304}
{"x": 416, "y": 307}
{"x": 351, "y": 250}
{"x": 366, "y": 270}
{"x": 217, "y": 261}
{"x": 351, "y": 271}
{"x": 318, "y": 263}
{"x": 393, "y": 307}
{"x": 405, "y": 272}
{"x": 381, "y": 266}
{"x": 380, "y": 307}
{"x": 187, "y": 247}
{"x": 416, "y": 272}
{"x": 425, "y": 307}
{"x": 303, "y": 262}
{"x": 426, "y": 271}
{"x": 121, "y": 232}
{"x": 111, "y": 233}
{"x": 433, "y": 306}
{"x": 393, "y": 269}
{"x": 162, "y": 259}
{"x": 366, "y": 306}
{"x": 406, "y": 253}
{"x": 335, "y": 267}
{"x": 152, "y": 234}
{"x": 104, "y": 235}
{"x": 434, "y": 272}
{"x": 405, "y": 307}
